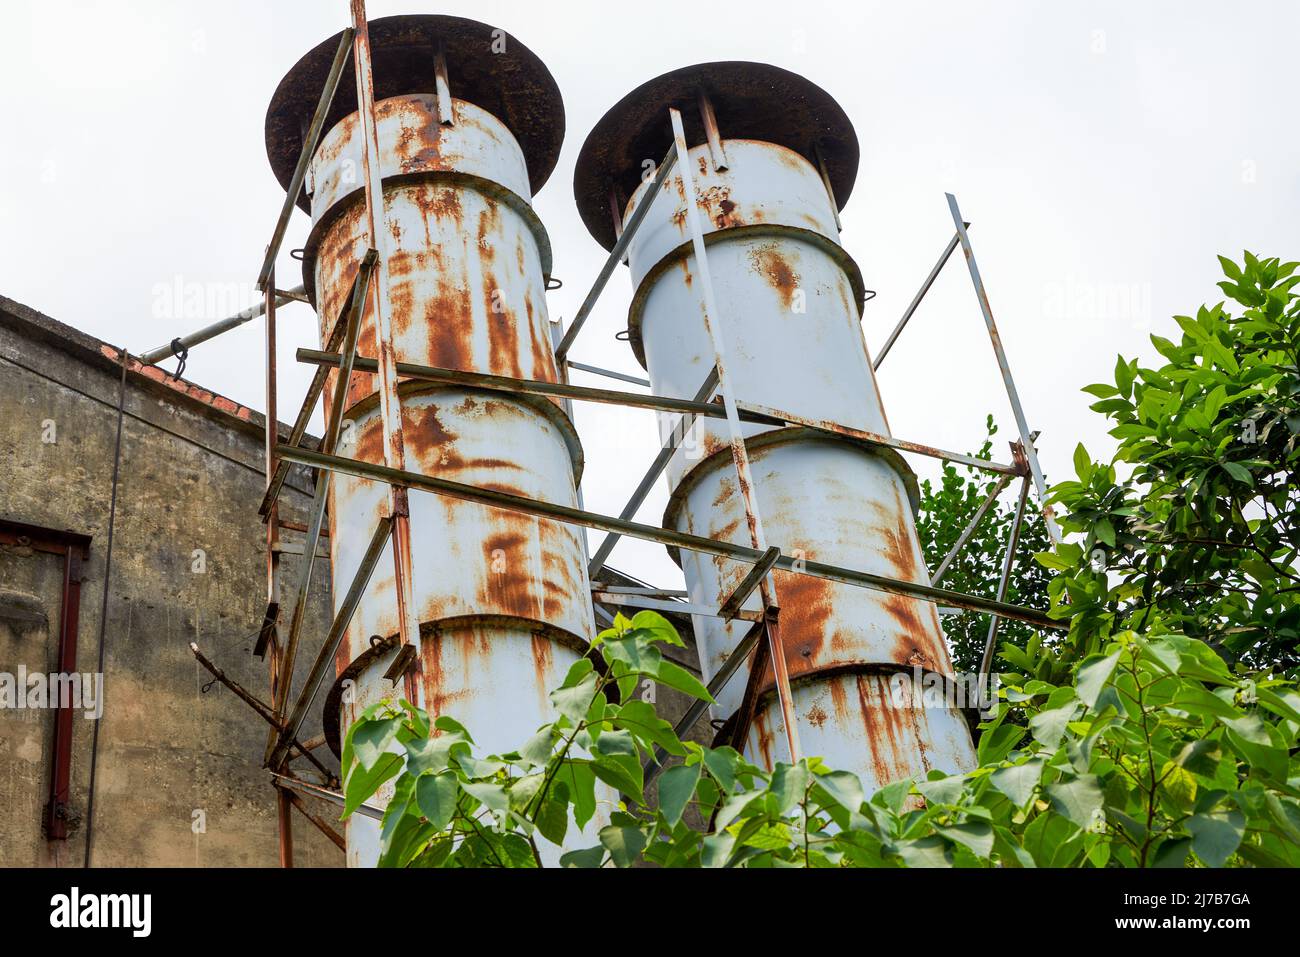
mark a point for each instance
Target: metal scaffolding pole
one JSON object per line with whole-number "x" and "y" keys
{"x": 746, "y": 411}
{"x": 1012, "y": 394}
{"x": 389, "y": 402}
{"x": 664, "y": 536}
{"x": 739, "y": 454}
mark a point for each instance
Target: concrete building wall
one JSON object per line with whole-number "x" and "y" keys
{"x": 179, "y": 780}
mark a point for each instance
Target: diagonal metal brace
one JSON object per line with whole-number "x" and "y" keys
{"x": 730, "y": 606}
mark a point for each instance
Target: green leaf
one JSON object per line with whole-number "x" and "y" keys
{"x": 789, "y": 783}
{"x": 657, "y": 627}
{"x": 640, "y": 718}
{"x": 553, "y": 813}
{"x": 1092, "y": 677}
{"x": 1215, "y": 836}
{"x": 942, "y": 790}
{"x": 362, "y": 783}
{"x": 844, "y": 788}
{"x": 734, "y": 806}
{"x": 1082, "y": 463}
{"x": 614, "y": 772}
{"x": 1253, "y": 739}
{"x": 975, "y": 836}
{"x": 493, "y": 796}
{"x": 580, "y": 780}
{"x": 477, "y": 768}
{"x": 1172, "y": 852}
{"x": 537, "y": 751}
{"x": 715, "y": 850}
{"x": 1201, "y": 757}
{"x": 587, "y": 857}
{"x": 1052, "y": 840}
{"x": 372, "y": 738}
{"x": 572, "y": 702}
{"x": 675, "y": 676}
{"x": 1239, "y": 472}
{"x": 721, "y": 763}
{"x": 1078, "y": 799}
{"x": 925, "y": 852}
{"x": 618, "y": 749}
{"x": 676, "y": 786}
{"x": 1104, "y": 531}
{"x": 1018, "y": 781}
{"x": 436, "y": 795}
{"x": 1178, "y": 784}
{"x": 624, "y": 844}
{"x": 995, "y": 745}
{"x": 1123, "y": 377}
{"x": 1048, "y": 727}
{"x": 1231, "y": 269}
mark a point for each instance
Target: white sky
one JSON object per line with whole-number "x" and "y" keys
{"x": 1105, "y": 152}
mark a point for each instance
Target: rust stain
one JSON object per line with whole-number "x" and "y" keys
{"x": 448, "y": 318}
{"x": 435, "y": 698}
{"x": 900, "y": 543}
{"x": 509, "y": 584}
{"x": 542, "y": 660}
{"x": 816, "y": 716}
{"x": 726, "y": 490}
{"x": 439, "y": 203}
{"x": 719, "y": 207}
{"x": 839, "y": 701}
{"x": 765, "y": 737}
{"x": 806, "y": 608}
{"x": 768, "y": 262}
{"x": 914, "y": 643}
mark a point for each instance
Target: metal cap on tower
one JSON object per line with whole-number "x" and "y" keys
{"x": 755, "y": 101}
{"x": 491, "y": 68}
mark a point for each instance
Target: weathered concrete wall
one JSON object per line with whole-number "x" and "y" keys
{"x": 179, "y": 780}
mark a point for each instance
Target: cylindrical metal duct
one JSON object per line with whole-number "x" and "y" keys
{"x": 503, "y": 599}
{"x": 790, "y": 300}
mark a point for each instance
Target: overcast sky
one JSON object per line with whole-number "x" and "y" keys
{"x": 1104, "y": 152}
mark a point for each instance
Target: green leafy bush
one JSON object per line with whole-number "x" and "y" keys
{"x": 1154, "y": 754}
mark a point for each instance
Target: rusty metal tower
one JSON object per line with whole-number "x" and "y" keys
{"x": 463, "y": 124}
{"x": 448, "y": 430}
{"x": 738, "y": 266}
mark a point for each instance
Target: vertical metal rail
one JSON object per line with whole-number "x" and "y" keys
{"x": 562, "y": 371}
{"x": 739, "y": 454}
{"x": 1012, "y": 394}
{"x": 269, "y": 640}
{"x": 352, "y": 325}
{"x": 330, "y": 646}
{"x": 1008, "y": 562}
{"x": 284, "y": 817}
{"x": 389, "y": 400}
{"x": 103, "y": 605}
